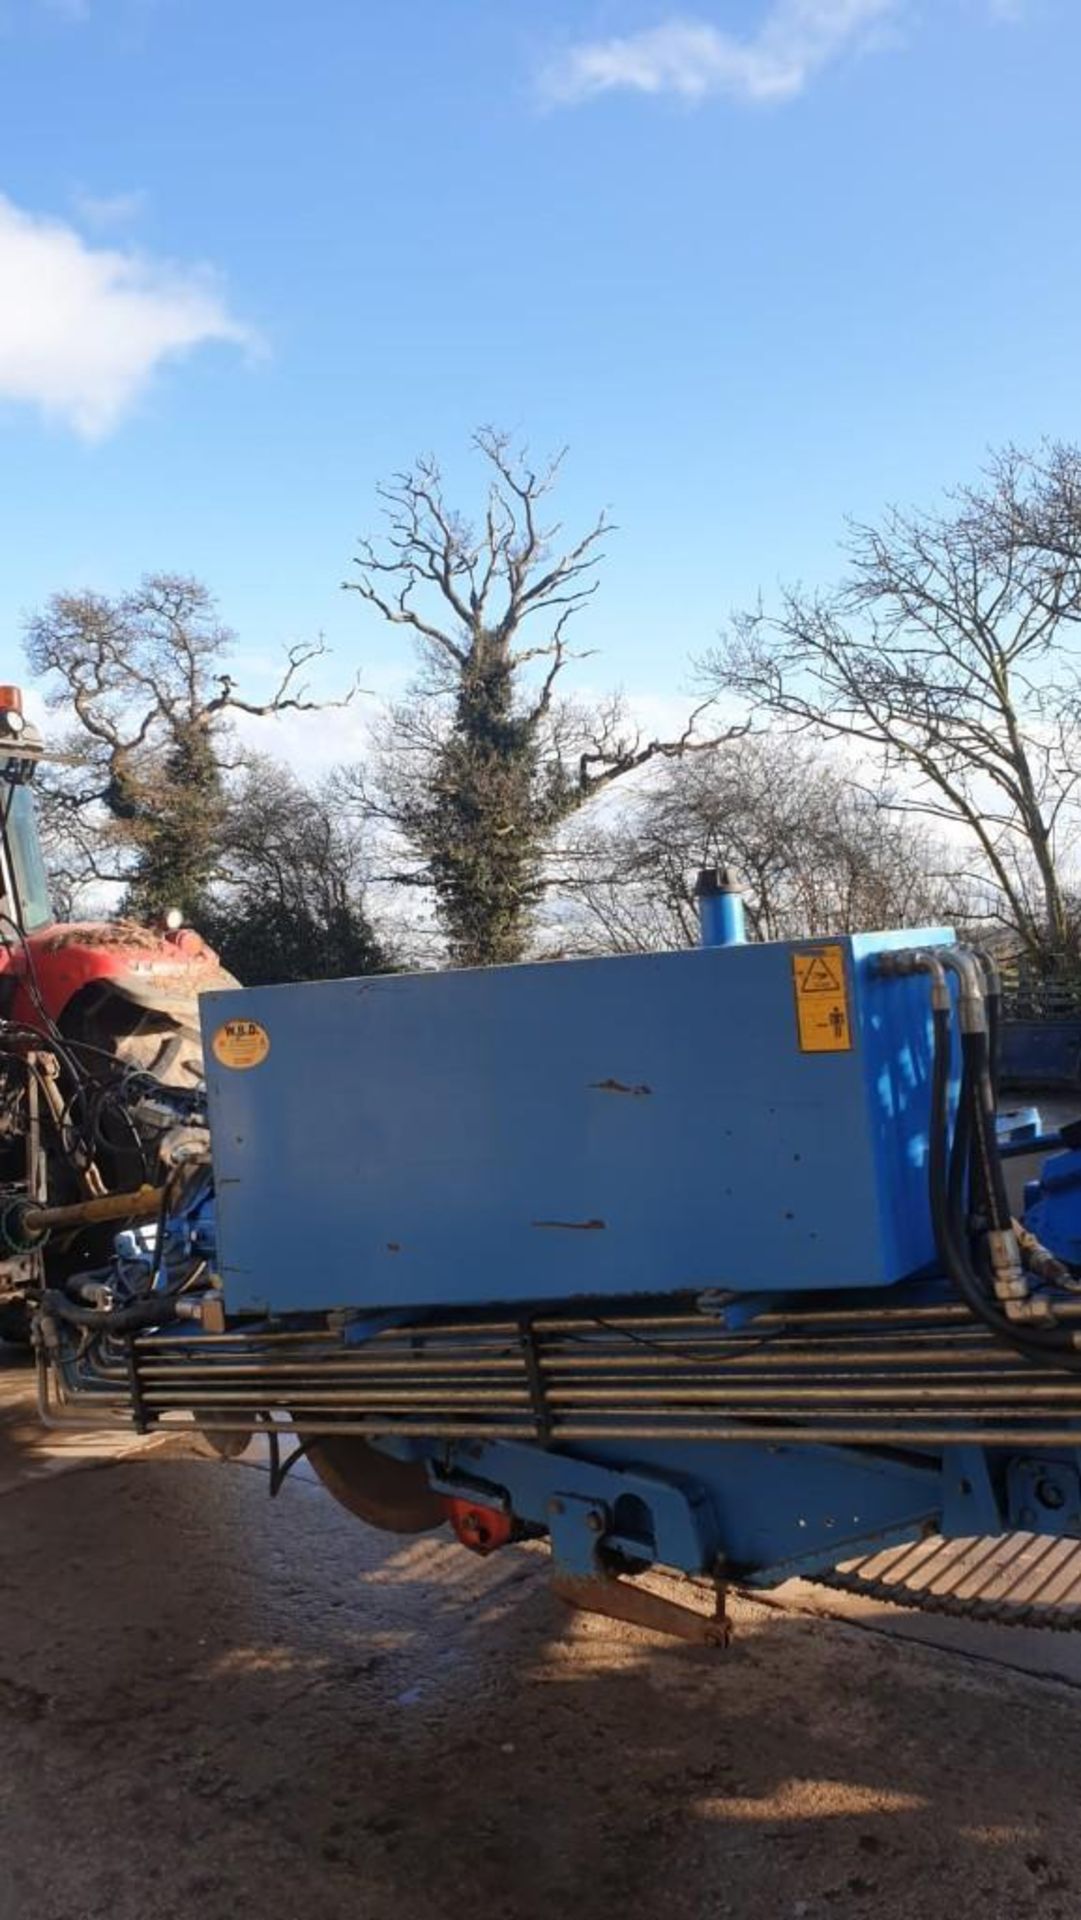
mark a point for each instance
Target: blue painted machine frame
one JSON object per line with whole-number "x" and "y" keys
{"x": 584, "y": 1139}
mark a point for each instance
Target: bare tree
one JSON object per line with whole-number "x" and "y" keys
{"x": 141, "y": 797}
{"x": 289, "y": 899}
{"x": 817, "y": 855}
{"x": 949, "y": 652}
{"x": 483, "y": 760}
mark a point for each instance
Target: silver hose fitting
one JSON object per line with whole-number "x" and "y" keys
{"x": 906, "y": 961}
{"x": 971, "y": 1004}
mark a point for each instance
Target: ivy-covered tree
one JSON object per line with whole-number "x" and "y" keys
{"x": 482, "y": 762}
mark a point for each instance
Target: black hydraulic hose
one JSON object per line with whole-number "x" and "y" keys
{"x": 941, "y": 1165}
{"x": 978, "y": 1100}
{"x": 961, "y": 1151}
{"x": 153, "y": 1310}
{"x": 992, "y": 1000}
{"x": 950, "y": 1228}
{"x": 946, "y": 1170}
{"x": 994, "y": 1032}
{"x": 1002, "y": 1207}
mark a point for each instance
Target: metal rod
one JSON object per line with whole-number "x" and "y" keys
{"x": 775, "y": 1435}
{"x": 835, "y": 1436}
{"x": 329, "y": 1398}
{"x": 887, "y": 1392}
{"x": 1014, "y": 1401}
{"x": 143, "y": 1204}
{"x": 995, "y": 1361}
{"x": 1013, "y": 1409}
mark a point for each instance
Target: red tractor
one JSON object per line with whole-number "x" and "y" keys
{"x": 96, "y": 1017}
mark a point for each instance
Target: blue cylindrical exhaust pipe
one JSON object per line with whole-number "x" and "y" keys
{"x": 721, "y": 919}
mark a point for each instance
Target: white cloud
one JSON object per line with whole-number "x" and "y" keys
{"x": 692, "y": 58}
{"x": 83, "y": 328}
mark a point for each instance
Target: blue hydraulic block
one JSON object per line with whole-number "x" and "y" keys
{"x": 1053, "y": 1206}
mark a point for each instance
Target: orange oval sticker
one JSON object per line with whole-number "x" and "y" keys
{"x": 241, "y": 1043}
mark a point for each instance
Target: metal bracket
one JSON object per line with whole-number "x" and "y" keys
{"x": 583, "y": 1547}
{"x": 1045, "y": 1496}
{"x": 646, "y": 1516}
{"x": 970, "y": 1505}
{"x": 620, "y": 1600}
{"x": 576, "y": 1528}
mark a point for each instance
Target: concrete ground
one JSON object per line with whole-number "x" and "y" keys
{"x": 215, "y": 1707}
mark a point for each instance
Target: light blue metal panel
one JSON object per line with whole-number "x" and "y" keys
{"x": 603, "y": 1127}
{"x": 893, "y": 1017}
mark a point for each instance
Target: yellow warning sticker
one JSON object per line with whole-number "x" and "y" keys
{"x": 822, "y": 1014}
{"x": 241, "y": 1043}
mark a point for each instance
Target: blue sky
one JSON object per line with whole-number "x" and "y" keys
{"x": 758, "y": 262}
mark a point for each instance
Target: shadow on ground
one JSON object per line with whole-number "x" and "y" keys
{"x": 215, "y": 1707}
{"x": 29, "y": 1450}
{"x": 20, "y": 1431}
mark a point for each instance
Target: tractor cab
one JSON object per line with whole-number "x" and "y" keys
{"x": 24, "y": 898}
{"x": 25, "y": 904}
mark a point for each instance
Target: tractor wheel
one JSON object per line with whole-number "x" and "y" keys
{"x": 166, "y": 1045}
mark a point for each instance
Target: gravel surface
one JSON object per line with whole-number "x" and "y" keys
{"x": 215, "y": 1707}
